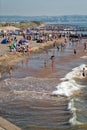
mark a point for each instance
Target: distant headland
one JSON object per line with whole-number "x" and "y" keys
{"x": 66, "y": 19}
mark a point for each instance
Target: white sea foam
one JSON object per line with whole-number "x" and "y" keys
{"x": 69, "y": 85}
{"x": 84, "y": 57}
{"x": 71, "y": 107}
{"x": 76, "y": 72}
{"x": 67, "y": 88}
{"x": 73, "y": 120}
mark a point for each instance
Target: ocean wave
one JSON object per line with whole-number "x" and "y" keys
{"x": 69, "y": 85}
{"x": 72, "y": 108}
{"x": 84, "y": 57}
{"x": 67, "y": 88}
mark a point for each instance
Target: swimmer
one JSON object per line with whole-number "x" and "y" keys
{"x": 83, "y": 72}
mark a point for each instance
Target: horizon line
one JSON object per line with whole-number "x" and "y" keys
{"x": 46, "y": 15}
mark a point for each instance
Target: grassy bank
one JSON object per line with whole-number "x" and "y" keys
{"x": 22, "y": 24}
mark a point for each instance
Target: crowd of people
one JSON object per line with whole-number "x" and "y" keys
{"x": 21, "y": 42}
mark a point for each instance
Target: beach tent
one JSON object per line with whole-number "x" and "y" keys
{"x": 4, "y": 41}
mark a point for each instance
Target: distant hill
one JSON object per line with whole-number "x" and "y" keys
{"x": 67, "y": 19}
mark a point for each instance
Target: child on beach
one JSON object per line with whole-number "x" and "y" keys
{"x": 28, "y": 50}
{"x": 53, "y": 60}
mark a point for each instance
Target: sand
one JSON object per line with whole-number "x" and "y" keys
{"x": 8, "y": 58}
{"x": 8, "y": 28}
{"x": 6, "y": 125}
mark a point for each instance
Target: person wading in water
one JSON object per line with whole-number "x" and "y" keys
{"x": 74, "y": 51}
{"x": 52, "y": 59}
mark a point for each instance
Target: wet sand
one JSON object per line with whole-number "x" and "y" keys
{"x": 5, "y": 125}
{"x": 29, "y": 93}
{"x": 10, "y": 58}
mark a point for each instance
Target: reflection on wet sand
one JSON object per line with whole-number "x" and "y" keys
{"x": 27, "y": 99}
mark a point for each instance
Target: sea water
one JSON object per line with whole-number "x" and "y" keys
{"x": 47, "y": 97}
{"x": 72, "y": 88}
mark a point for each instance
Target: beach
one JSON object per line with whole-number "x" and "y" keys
{"x": 8, "y": 59}
{"x": 43, "y": 65}
{"x": 43, "y": 96}
{"x": 5, "y": 125}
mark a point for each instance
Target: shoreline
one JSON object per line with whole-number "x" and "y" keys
{"x": 11, "y": 58}
{"x": 6, "y": 125}
{"x": 35, "y": 49}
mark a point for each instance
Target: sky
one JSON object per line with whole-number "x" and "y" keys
{"x": 43, "y": 7}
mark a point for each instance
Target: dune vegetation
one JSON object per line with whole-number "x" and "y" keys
{"x": 22, "y": 24}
